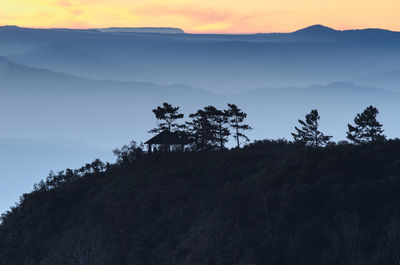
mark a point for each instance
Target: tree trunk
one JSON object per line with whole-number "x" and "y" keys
{"x": 237, "y": 137}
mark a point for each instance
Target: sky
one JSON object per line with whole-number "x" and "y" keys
{"x": 202, "y": 16}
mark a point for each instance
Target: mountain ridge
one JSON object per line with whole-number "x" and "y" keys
{"x": 165, "y": 30}
{"x": 315, "y": 28}
{"x": 240, "y": 62}
{"x": 8, "y": 67}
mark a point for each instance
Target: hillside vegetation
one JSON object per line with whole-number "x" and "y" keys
{"x": 271, "y": 202}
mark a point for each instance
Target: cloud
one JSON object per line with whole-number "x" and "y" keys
{"x": 189, "y": 12}
{"x": 201, "y": 16}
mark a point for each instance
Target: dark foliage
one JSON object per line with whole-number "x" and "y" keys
{"x": 309, "y": 134}
{"x": 201, "y": 132}
{"x": 271, "y": 202}
{"x": 128, "y": 153}
{"x": 237, "y": 117}
{"x": 366, "y": 128}
{"x": 168, "y": 116}
{"x": 220, "y": 125}
{"x": 208, "y": 129}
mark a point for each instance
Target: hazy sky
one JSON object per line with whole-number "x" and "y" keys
{"x": 229, "y": 16}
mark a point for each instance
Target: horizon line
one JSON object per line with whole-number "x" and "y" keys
{"x": 200, "y": 33}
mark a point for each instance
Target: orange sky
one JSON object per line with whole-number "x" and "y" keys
{"x": 197, "y": 16}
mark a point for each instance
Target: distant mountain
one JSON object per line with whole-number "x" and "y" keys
{"x": 59, "y": 56}
{"x": 126, "y": 106}
{"x": 144, "y": 30}
{"x": 221, "y": 63}
{"x": 390, "y": 80}
{"x": 14, "y": 77}
{"x": 315, "y": 29}
{"x": 44, "y": 102}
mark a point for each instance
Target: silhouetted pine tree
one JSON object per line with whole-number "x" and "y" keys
{"x": 201, "y": 131}
{"x": 366, "y": 128}
{"x": 236, "y": 118}
{"x": 309, "y": 134}
{"x": 219, "y": 121}
{"x": 167, "y": 115}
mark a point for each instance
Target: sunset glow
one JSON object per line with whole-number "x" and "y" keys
{"x": 214, "y": 16}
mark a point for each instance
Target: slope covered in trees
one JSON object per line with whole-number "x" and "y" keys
{"x": 267, "y": 203}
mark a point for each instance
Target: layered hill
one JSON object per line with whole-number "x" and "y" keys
{"x": 51, "y": 104}
{"x": 221, "y": 63}
{"x": 268, "y": 203}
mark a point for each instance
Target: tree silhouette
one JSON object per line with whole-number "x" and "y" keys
{"x": 209, "y": 129}
{"x": 128, "y": 153}
{"x": 219, "y": 121}
{"x": 366, "y": 128}
{"x": 167, "y": 115}
{"x": 309, "y": 134}
{"x": 201, "y": 131}
{"x": 236, "y": 118}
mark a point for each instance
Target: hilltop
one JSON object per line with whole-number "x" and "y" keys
{"x": 271, "y": 202}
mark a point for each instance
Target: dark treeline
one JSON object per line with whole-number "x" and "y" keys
{"x": 208, "y": 129}
{"x": 305, "y": 202}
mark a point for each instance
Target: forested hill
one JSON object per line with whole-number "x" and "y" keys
{"x": 268, "y": 203}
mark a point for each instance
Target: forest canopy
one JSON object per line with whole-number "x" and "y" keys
{"x": 271, "y": 202}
